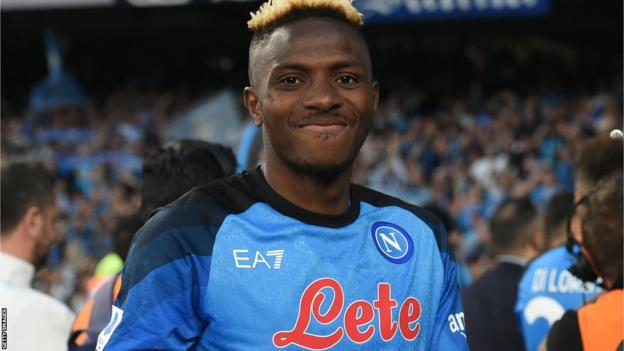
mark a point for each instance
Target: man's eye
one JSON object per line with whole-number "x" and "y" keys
{"x": 347, "y": 80}
{"x": 290, "y": 80}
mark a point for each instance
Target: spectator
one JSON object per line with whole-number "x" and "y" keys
{"x": 34, "y": 321}
{"x": 517, "y": 237}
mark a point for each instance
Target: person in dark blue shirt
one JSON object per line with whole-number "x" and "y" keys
{"x": 292, "y": 254}
{"x": 516, "y": 238}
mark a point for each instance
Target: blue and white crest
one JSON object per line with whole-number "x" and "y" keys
{"x": 392, "y": 242}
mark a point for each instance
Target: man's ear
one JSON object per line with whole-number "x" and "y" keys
{"x": 32, "y": 222}
{"x": 252, "y": 102}
{"x": 375, "y": 94}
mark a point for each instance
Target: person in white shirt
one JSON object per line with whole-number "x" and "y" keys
{"x": 33, "y": 320}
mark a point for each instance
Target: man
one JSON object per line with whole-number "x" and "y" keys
{"x": 167, "y": 174}
{"x": 291, "y": 254}
{"x": 517, "y": 237}
{"x": 34, "y": 321}
{"x": 599, "y": 325}
{"x": 547, "y": 289}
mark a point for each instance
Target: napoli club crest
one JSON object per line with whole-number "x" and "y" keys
{"x": 392, "y": 242}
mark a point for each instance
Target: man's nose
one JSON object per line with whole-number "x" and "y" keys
{"x": 322, "y": 96}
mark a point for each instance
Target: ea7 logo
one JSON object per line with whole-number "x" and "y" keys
{"x": 456, "y": 323}
{"x": 244, "y": 259}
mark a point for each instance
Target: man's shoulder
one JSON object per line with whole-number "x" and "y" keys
{"x": 498, "y": 276}
{"x": 379, "y": 199}
{"x": 203, "y": 206}
{"x": 557, "y": 257}
{"x": 37, "y": 320}
{"x": 232, "y": 194}
{"x": 35, "y": 303}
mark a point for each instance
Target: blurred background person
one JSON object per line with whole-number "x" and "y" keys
{"x": 547, "y": 289}
{"x": 599, "y": 324}
{"x": 34, "y": 321}
{"x": 180, "y": 165}
{"x": 168, "y": 173}
{"x": 516, "y": 238}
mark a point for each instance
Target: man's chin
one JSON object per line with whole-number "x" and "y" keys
{"x": 325, "y": 172}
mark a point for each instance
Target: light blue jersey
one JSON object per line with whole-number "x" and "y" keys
{"x": 546, "y": 291}
{"x": 233, "y": 266}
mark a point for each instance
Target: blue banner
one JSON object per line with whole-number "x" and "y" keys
{"x": 427, "y": 10}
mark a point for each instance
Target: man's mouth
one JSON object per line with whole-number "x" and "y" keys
{"x": 324, "y": 125}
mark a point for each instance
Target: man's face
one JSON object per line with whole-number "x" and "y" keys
{"x": 314, "y": 95}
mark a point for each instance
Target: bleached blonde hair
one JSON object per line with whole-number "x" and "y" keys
{"x": 273, "y": 11}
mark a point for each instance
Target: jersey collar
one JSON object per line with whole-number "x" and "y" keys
{"x": 287, "y": 208}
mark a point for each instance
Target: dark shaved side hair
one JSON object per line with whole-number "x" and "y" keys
{"x": 597, "y": 158}
{"x": 24, "y": 185}
{"x": 512, "y": 224}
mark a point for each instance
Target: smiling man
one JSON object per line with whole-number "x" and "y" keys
{"x": 292, "y": 254}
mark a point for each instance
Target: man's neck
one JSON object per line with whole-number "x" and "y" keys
{"x": 558, "y": 241}
{"x": 525, "y": 254}
{"x": 10, "y": 245}
{"x": 308, "y": 192}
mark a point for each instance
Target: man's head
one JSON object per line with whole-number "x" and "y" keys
{"x": 559, "y": 209}
{"x": 28, "y": 216}
{"x": 311, "y": 80}
{"x": 516, "y": 229}
{"x": 596, "y": 159}
{"x": 603, "y": 233}
{"x": 180, "y": 165}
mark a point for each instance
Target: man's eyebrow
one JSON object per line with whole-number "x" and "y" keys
{"x": 334, "y": 66}
{"x": 347, "y": 64}
{"x": 291, "y": 66}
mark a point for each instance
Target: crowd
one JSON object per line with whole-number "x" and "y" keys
{"x": 96, "y": 154}
{"x": 467, "y": 161}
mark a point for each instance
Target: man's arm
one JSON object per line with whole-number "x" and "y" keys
{"x": 565, "y": 334}
{"x": 449, "y": 333}
{"x": 159, "y": 306}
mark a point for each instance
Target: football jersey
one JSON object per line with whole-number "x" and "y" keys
{"x": 234, "y": 266}
{"x": 546, "y": 291}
